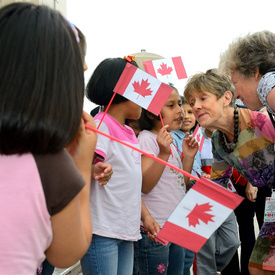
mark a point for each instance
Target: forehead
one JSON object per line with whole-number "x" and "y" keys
{"x": 174, "y": 95}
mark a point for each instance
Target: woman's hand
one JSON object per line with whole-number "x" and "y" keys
{"x": 251, "y": 192}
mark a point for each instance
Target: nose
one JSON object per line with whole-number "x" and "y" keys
{"x": 85, "y": 66}
{"x": 237, "y": 96}
{"x": 196, "y": 105}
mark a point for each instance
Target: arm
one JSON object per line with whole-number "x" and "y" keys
{"x": 148, "y": 222}
{"x": 72, "y": 226}
{"x": 152, "y": 170}
{"x": 189, "y": 149}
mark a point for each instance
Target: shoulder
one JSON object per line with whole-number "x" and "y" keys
{"x": 60, "y": 179}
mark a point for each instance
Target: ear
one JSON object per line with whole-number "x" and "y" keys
{"x": 257, "y": 75}
{"x": 150, "y": 116}
{"x": 227, "y": 98}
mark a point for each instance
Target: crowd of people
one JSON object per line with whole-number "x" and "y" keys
{"x": 69, "y": 194}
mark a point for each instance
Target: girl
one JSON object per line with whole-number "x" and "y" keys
{"x": 162, "y": 187}
{"x": 44, "y": 198}
{"x": 116, "y": 207}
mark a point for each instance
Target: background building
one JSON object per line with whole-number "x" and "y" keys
{"x": 59, "y": 5}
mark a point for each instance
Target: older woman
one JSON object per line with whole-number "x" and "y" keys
{"x": 244, "y": 140}
{"x": 250, "y": 60}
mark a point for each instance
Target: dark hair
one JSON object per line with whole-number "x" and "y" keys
{"x": 100, "y": 87}
{"x": 146, "y": 120}
{"x": 42, "y": 81}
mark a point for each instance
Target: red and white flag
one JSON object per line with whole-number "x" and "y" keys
{"x": 166, "y": 70}
{"x": 202, "y": 210}
{"x": 143, "y": 89}
{"x": 198, "y": 135}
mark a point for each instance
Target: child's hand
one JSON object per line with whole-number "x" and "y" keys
{"x": 102, "y": 172}
{"x": 151, "y": 226}
{"x": 164, "y": 140}
{"x": 189, "y": 146}
{"x": 82, "y": 147}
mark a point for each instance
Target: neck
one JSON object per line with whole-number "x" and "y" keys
{"x": 231, "y": 138}
{"x": 116, "y": 112}
{"x": 228, "y": 125}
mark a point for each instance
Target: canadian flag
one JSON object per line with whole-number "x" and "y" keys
{"x": 143, "y": 89}
{"x": 198, "y": 135}
{"x": 166, "y": 70}
{"x": 202, "y": 210}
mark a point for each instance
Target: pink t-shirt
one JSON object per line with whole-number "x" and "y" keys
{"x": 170, "y": 189}
{"x": 32, "y": 188}
{"x": 116, "y": 206}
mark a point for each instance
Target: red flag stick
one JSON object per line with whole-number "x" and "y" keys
{"x": 143, "y": 152}
{"x": 106, "y": 110}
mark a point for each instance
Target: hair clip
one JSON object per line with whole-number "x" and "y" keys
{"x": 130, "y": 58}
{"x": 74, "y": 30}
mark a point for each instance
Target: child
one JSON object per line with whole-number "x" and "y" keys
{"x": 115, "y": 207}
{"x": 44, "y": 198}
{"x": 188, "y": 126}
{"x": 162, "y": 187}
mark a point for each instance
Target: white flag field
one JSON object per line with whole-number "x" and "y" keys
{"x": 202, "y": 210}
{"x": 142, "y": 89}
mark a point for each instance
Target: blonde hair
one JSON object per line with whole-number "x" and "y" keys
{"x": 213, "y": 81}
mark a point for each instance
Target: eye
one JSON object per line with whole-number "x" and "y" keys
{"x": 180, "y": 104}
{"x": 191, "y": 104}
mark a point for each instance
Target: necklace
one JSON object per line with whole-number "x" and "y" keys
{"x": 226, "y": 147}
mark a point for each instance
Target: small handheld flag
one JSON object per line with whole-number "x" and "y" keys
{"x": 142, "y": 89}
{"x": 166, "y": 70}
{"x": 202, "y": 210}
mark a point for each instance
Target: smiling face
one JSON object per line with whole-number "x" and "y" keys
{"x": 189, "y": 120}
{"x": 246, "y": 90}
{"x": 171, "y": 111}
{"x": 207, "y": 108}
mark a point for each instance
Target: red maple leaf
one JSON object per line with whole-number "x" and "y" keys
{"x": 199, "y": 213}
{"x": 164, "y": 70}
{"x": 141, "y": 89}
{"x": 198, "y": 138}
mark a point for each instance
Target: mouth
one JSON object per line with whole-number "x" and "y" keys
{"x": 186, "y": 122}
{"x": 201, "y": 115}
{"x": 179, "y": 119}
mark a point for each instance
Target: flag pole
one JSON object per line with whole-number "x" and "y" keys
{"x": 106, "y": 110}
{"x": 143, "y": 152}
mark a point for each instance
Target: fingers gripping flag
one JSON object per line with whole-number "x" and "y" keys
{"x": 166, "y": 70}
{"x": 198, "y": 135}
{"x": 143, "y": 89}
{"x": 202, "y": 210}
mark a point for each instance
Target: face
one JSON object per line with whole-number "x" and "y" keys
{"x": 207, "y": 108}
{"x": 171, "y": 112}
{"x": 133, "y": 110}
{"x": 246, "y": 90}
{"x": 189, "y": 120}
